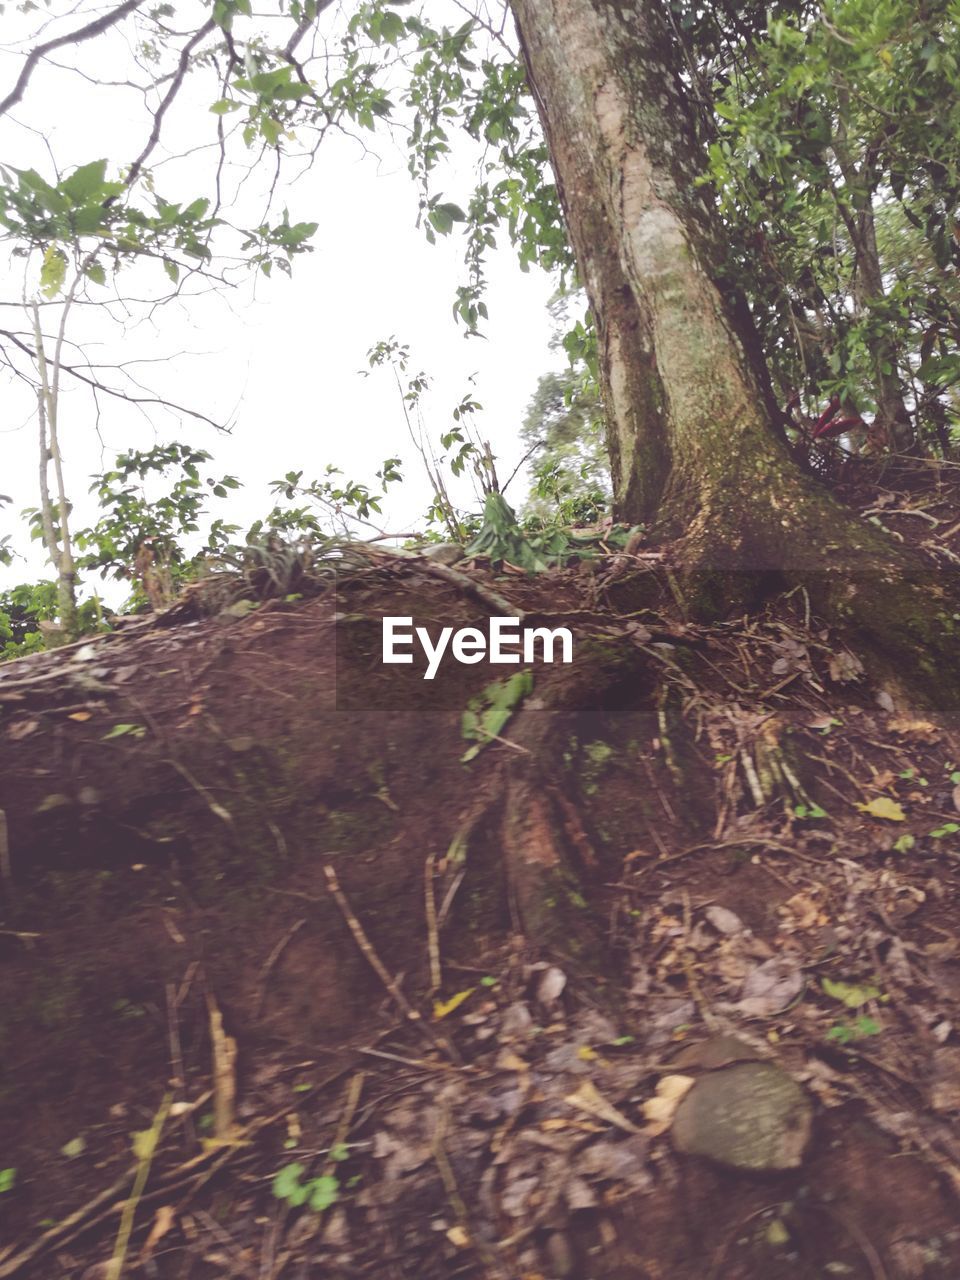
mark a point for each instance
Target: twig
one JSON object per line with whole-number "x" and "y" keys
{"x": 350, "y": 1104}
{"x": 719, "y": 845}
{"x": 270, "y": 961}
{"x": 430, "y": 909}
{"x": 216, "y": 809}
{"x": 94, "y": 28}
{"x": 148, "y": 1147}
{"x": 363, "y": 942}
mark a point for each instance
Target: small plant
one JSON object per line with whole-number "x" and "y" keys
{"x": 811, "y": 811}
{"x": 124, "y": 731}
{"x": 859, "y": 1029}
{"x": 317, "y": 1193}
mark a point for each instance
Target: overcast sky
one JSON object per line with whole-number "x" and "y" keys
{"x": 278, "y": 358}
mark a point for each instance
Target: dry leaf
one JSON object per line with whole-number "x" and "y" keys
{"x": 21, "y": 729}
{"x": 442, "y": 1007}
{"x": 845, "y": 667}
{"x": 801, "y": 912}
{"x": 723, "y": 920}
{"x": 658, "y": 1110}
{"x": 884, "y": 807}
{"x": 771, "y": 987}
{"x": 507, "y": 1060}
{"x": 551, "y": 985}
{"x": 588, "y": 1098}
{"x": 913, "y": 728}
{"x": 80, "y": 715}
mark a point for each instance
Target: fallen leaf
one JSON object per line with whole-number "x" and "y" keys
{"x": 850, "y": 994}
{"x": 823, "y": 722}
{"x": 723, "y": 920}
{"x": 54, "y": 801}
{"x": 884, "y": 807}
{"x": 658, "y": 1111}
{"x": 442, "y": 1007}
{"x": 588, "y": 1098}
{"x": 80, "y": 715}
{"x": 845, "y": 667}
{"x": 771, "y": 987}
{"x": 551, "y": 985}
{"x": 23, "y": 728}
{"x": 509, "y": 1061}
{"x": 913, "y": 728}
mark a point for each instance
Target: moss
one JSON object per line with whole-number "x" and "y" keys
{"x": 596, "y": 759}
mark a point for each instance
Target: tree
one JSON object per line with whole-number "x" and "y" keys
{"x": 820, "y": 143}
{"x": 690, "y": 419}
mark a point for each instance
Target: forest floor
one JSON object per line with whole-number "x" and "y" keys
{"x": 270, "y": 1004}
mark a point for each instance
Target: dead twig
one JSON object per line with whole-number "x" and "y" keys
{"x": 269, "y": 963}
{"x": 146, "y": 1148}
{"x": 430, "y": 910}
{"x": 363, "y": 942}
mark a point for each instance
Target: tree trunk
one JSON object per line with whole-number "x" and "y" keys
{"x": 692, "y": 442}
{"x": 891, "y": 428}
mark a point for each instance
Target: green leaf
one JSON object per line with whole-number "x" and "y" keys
{"x": 224, "y": 106}
{"x": 286, "y": 1184}
{"x": 96, "y": 273}
{"x": 392, "y": 27}
{"x": 85, "y": 182}
{"x": 195, "y": 211}
{"x": 487, "y": 714}
{"x": 7, "y": 1179}
{"x": 52, "y": 272}
{"x": 122, "y": 730}
{"x": 443, "y": 216}
{"x": 172, "y": 270}
{"x": 324, "y": 1191}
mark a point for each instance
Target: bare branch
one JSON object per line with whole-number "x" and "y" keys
{"x": 115, "y": 392}
{"x": 95, "y": 28}
{"x": 171, "y": 93}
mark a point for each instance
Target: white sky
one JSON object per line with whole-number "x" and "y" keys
{"x": 280, "y": 358}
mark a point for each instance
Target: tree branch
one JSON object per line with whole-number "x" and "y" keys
{"x": 95, "y": 28}
{"x": 97, "y": 385}
{"x": 171, "y": 93}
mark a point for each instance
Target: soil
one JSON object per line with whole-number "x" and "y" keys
{"x": 393, "y": 1014}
